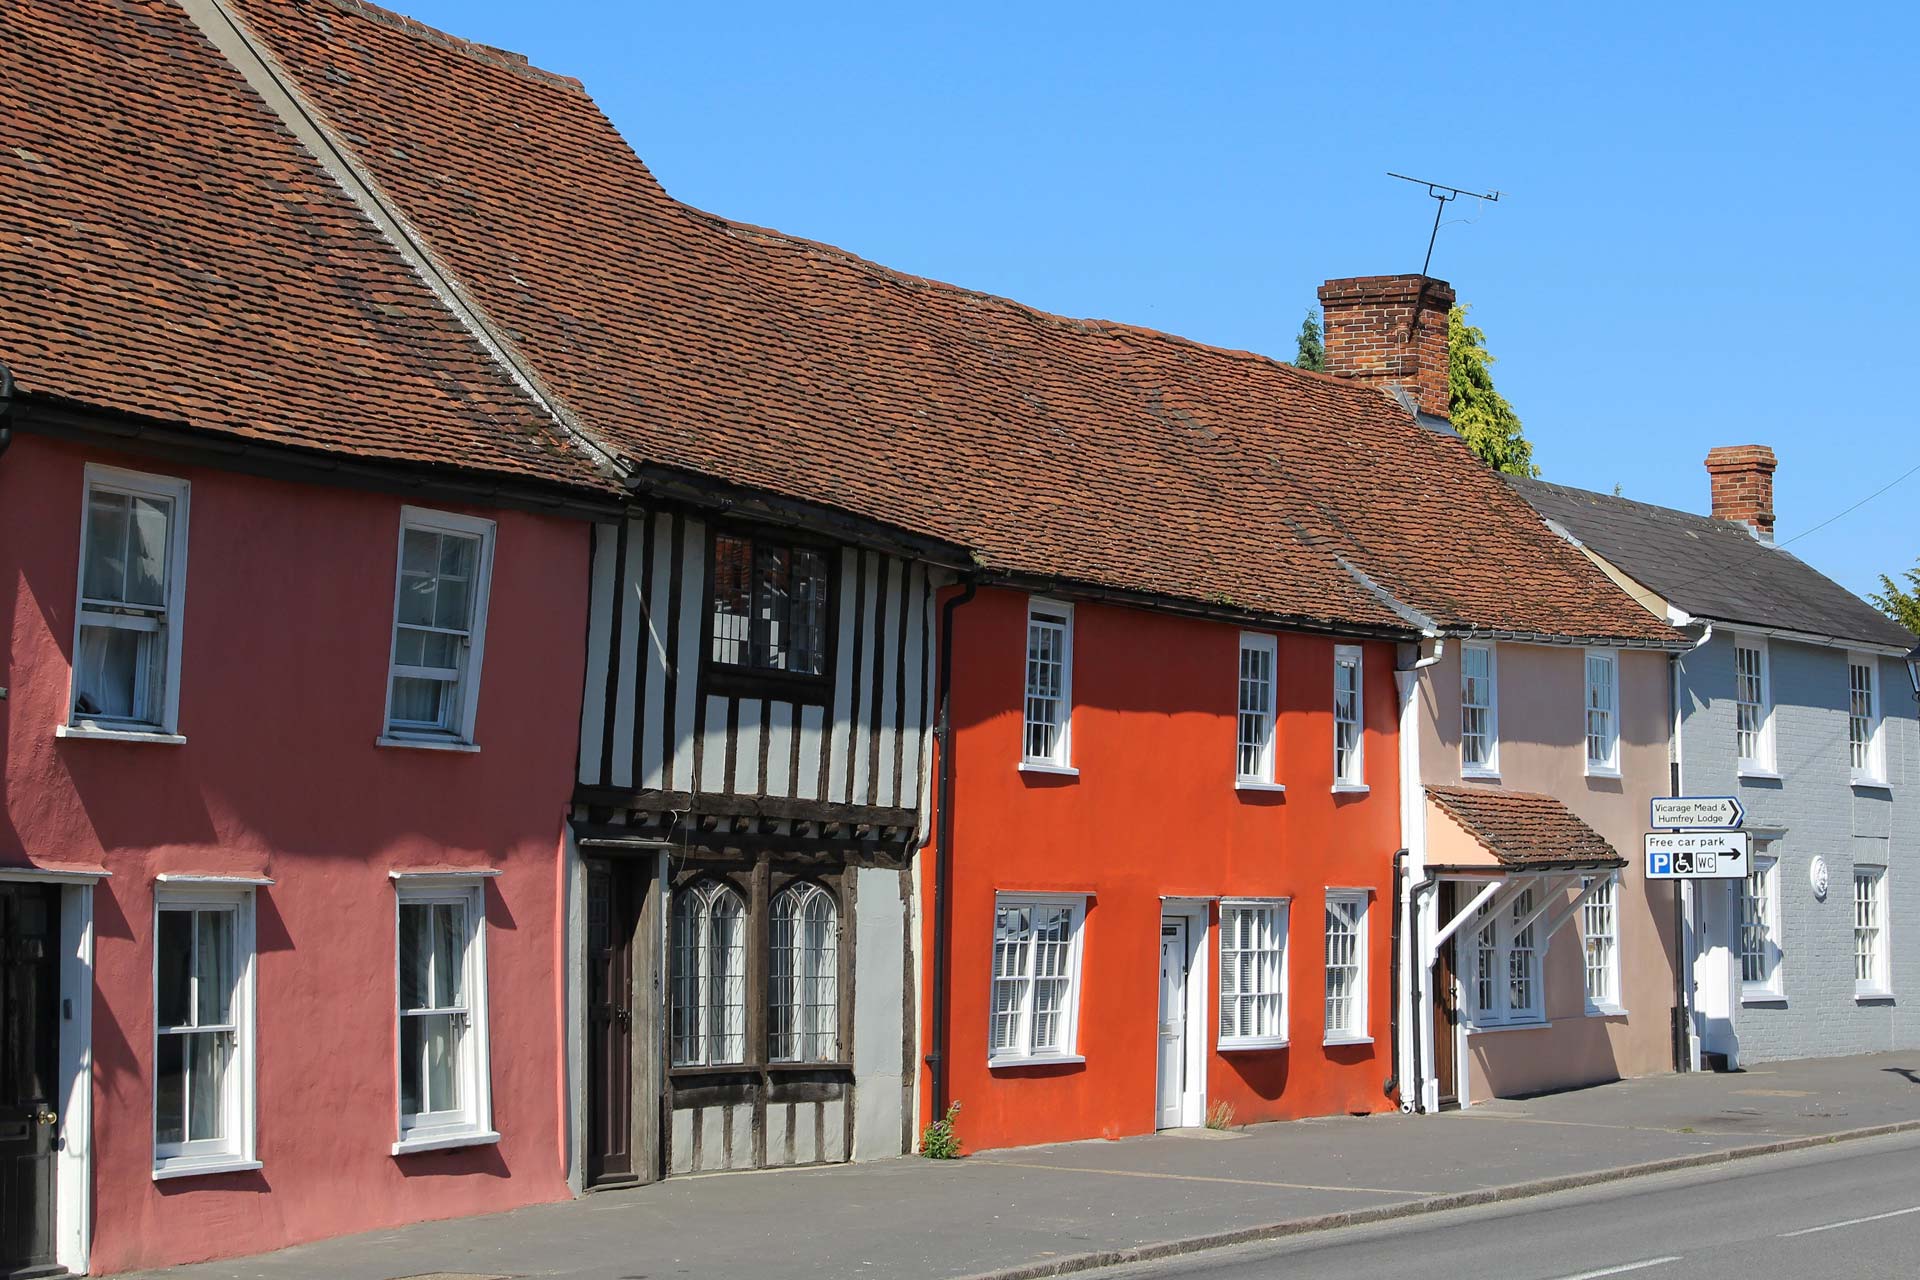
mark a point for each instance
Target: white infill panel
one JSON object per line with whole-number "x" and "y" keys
{"x": 631, "y": 625}
{"x": 693, "y": 568}
{"x": 885, "y": 793}
{"x": 654, "y": 734}
{"x": 813, "y": 737}
{"x": 780, "y": 749}
{"x": 839, "y": 728}
{"x": 746, "y": 749}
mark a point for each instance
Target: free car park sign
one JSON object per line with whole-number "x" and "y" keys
{"x": 1697, "y": 855}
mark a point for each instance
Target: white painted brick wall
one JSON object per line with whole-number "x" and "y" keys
{"x": 1820, "y": 812}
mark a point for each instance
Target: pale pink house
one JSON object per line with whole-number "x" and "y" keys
{"x": 1535, "y": 955}
{"x": 294, "y": 582}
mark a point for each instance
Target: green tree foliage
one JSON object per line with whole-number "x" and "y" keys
{"x": 1312, "y": 354}
{"x": 1902, "y": 604}
{"x": 1480, "y": 414}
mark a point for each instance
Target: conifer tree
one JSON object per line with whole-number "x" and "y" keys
{"x": 1480, "y": 414}
{"x": 1312, "y": 354}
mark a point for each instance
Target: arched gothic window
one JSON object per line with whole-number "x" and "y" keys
{"x": 709, "y": 976}
{"x": 803, "y": 1023}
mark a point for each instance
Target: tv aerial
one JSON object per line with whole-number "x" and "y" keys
{"x": 1443, "y": 194}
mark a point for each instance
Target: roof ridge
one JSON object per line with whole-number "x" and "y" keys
{"x": 505, "y": 59}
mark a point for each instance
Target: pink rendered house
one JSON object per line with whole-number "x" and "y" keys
{"x": 294, "y": 582}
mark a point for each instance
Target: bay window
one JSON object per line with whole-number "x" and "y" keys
{"x": 1036, "y": 974}
{"x": 1253, "y": 974}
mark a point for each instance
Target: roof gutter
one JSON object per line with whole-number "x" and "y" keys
{"x": 1809, "y": 638}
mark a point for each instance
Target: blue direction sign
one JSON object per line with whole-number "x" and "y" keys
{"x": 1697, "y": 813}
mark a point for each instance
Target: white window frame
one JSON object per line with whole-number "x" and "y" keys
{"x": 235, "y": 1153}
{"x": 1761, "y": 763}
{"x": 1068, "y": 1050}
{"x": 459, "y": 736}
{"x": 1504, "y": 1014}
{"x": 165, "y": 728}
{"x": 1263, "y": 776}
{"x": 1354, "y": 776}
{"x": 1490, "y": 767}
{"x": 1061, "y": 759}
{"x": 1877, "y": 985}
{"x": 1771, "y": 986}
{"x": 1873, "y": 771}
{"x": 1607, "y": 765}
{"x": 1281, "y": 910}
{"x": 1609, "y": 1004}
{"x": 1357, "y": 1029}
{"x": 472, "y": 1124}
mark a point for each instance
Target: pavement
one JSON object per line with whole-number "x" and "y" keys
{"x": 1054, "y": 1210}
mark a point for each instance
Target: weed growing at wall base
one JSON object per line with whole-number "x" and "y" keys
{"x": 938, "y": 1141}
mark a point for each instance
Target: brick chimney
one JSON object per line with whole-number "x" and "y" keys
{"x": 1390, "y": 331}
{"x": 1742, "y": 477}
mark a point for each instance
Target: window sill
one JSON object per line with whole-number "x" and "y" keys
{"x": 1351, "y": 789}
{"x": 427, "y": 744}
{"x": 444, "y": 1140}
{"x": 1251, "y": 1044}
{"x": 1037, "y": 1060}
{"x": 84, "y": 731}
{"x": 1335, "y": 1042}
{"x": 1496, "y": 1028}
{"x": 1602, "y": 771}
{"x": 1056, "y": 770}
{"x": 1872, "y": 784}
{"x": 1875, "y": 996}
{"x": 1767, "y": 999}
{"x": 1605, "y": 1011}
{"x": 201, "y": 1166}
{"x": 1252, "y": 784}
{"x": 1480, "y": 775}
{"x": 1757, "y": 773}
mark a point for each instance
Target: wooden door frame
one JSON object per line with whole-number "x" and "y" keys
{"x": 1198, "y": 914}
{"x": 73, "y": 1180}
{"x": 646, "y": 999}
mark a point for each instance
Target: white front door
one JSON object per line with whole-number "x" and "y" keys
{"x": 1170, "y": 1113}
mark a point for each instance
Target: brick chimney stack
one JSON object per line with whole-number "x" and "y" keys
{"x": 1742, "y": 477}
{"x": 1390, "y": 331}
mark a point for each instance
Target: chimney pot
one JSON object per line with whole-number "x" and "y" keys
{"x": 1390, "y": 331}
{"x": 1742, "y": 479}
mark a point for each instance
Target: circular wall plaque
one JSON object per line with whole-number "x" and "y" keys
{"x": 1817, "y": 873}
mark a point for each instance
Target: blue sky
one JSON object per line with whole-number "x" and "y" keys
{"x": 1707, "y": 236}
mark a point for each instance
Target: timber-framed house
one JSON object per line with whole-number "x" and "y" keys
{"x": 752, "y": 789}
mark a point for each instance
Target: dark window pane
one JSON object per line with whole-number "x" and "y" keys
{"x": 732, "y": 599}
{"x": 770, "y": 604}
{"x": 174, "y": 1002}
{"x": 414, "y": 949}
{"x": 170, "y": 1090}
{"x": 410, "y": 1065}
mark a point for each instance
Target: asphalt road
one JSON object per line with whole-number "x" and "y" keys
{"x": 1851, "y": 1211}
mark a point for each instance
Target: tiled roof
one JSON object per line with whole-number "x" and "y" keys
{"x": 168, "y": 250}
{"x": 1712, "y": 568}
{"x": 1522, "y": 829}
{"x": 1085, "y": 451}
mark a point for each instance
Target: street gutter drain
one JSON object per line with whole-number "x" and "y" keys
{"x": 457, "y": 1275}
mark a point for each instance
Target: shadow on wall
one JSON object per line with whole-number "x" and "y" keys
{"x": 1263, "y": 1074}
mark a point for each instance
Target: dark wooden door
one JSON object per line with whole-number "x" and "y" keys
{"x": 1445, "y": 1014}
{"x": 611, "y": 923}
{"x": 29, "y": 1060}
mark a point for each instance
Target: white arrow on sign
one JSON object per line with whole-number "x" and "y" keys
{"x": 1712, "y": 813}
{"x": 1697, "y": 855}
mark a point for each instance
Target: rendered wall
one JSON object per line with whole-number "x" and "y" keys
{"x": 1542, "y": 725}
{"x": 1813, "y": 809}
{"x": 288, "y": 617}
{"x": 1154, "y": 813}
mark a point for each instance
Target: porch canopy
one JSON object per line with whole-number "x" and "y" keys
{"x": 1510, "y": 842}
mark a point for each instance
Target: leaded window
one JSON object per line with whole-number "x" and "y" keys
{"x": 709, "y": 976}
{"x": 769, "y": 606}
{"x": 803, "y": 1010}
